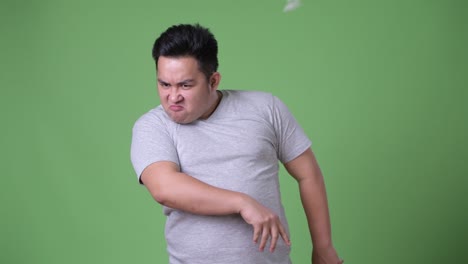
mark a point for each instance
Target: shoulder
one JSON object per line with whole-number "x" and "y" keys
{"x": 152, "y": 118}
{"x": 248, "y": 95}
{"x": 251, "y": 99}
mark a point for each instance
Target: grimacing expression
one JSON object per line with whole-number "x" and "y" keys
{"x": 184, "y": 91}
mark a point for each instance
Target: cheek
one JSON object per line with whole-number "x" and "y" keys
{"x": 163, "y": 95}
{"x": 160, "y": 93}
{"x": 189, "y": 99}
{"x": 197, "y": 100}
{"x": 194, "y": 100}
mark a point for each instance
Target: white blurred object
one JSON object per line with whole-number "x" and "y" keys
{"x": 291, "y": 5}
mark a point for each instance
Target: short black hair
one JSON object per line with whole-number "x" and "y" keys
{"x": 189, "y": 40}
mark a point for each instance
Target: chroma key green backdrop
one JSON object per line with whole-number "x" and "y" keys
{"x": 379, "y": 86}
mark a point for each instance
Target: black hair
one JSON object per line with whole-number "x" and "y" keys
{"x": 189, "y": 40}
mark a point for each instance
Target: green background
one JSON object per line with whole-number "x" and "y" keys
{"x": 379, "y": 86}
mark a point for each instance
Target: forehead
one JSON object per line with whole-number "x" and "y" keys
{"x": 177, "y": 67}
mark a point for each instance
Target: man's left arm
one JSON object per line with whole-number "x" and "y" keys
{"x": 306, "y": 171}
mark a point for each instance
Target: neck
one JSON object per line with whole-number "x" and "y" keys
{"x": 219, "y": 96}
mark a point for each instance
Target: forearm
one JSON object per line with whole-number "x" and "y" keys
{"x": 306, "y": 171}
{"x": 181, "y": 191}
{"x": 189, "y": 194}
{"x": 314, "y": 201}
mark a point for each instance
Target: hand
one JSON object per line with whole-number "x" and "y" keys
{"x": 325, "y": 256}
{"x": 264, "y": 222}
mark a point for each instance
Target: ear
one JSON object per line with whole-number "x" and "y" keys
{"x": 215, "y": 79}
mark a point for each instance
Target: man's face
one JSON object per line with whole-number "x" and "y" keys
{"x": 185, "y": 93}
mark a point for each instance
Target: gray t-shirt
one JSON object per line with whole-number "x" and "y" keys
{"x": 237, "y": 148}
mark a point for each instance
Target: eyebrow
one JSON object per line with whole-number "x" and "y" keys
{"x": 186, "y": 81}
{"x": 179, "y": 83}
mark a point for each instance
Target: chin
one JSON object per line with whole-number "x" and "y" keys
{"x": 181, "y": 120}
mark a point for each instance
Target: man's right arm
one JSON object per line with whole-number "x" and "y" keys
{"x": 174, "y": 189}
{"x": 177, "y": 190}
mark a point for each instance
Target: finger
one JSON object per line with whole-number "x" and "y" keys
{"x": 265, "y": 235}
{"x": 256, "y": 233}
{"x": 274, "y": 238}
{"x": 284, "y": 235}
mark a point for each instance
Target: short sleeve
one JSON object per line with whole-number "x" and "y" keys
{"x": 292, "y": 140}
{"x": 151, "y": 142}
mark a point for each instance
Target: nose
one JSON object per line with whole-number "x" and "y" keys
{"x": 174, "y": 95}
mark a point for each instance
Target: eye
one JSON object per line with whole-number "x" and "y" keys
{"x": 164, "y": 85}
{"x": 186, "y": 86}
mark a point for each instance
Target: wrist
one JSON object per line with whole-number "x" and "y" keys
{"x": 322, "y": 245}
{"x": 240, "y": 202}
